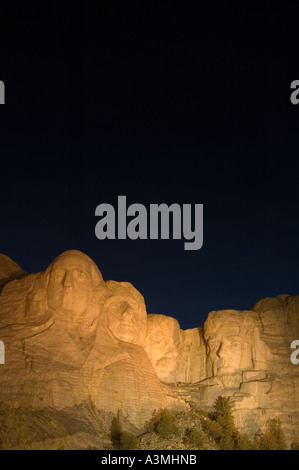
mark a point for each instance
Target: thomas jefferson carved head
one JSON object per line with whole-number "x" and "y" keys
{"x": 125, "y": 314}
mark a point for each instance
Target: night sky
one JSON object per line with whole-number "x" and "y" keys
{"x": 161, "y": 102}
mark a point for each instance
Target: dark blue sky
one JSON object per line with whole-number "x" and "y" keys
{"x": 161, "y": 104}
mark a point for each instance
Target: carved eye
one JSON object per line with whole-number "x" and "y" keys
{"x": 116, "y": 308}
{"x": 235, "y": 344}
{"x": 80, "y": 274}
{"x": 116, "y": 305}
{"x": 56, "y": 274}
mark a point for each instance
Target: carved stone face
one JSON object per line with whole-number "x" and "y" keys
{"x": 70, "y": 285}
{"x": 164, "y": 333}
{"x": 229, "y": 352}
{"x": 125, "y": 314}
{"x": 233, "y": 343}
{"x": 123, "y": 319}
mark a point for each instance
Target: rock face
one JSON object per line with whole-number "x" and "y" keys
{"x": 249, "y": 353}
{"x": 9, "y": 270}
{"x": 248, "y": 360}
{"x": 177, "y": 355}
{"x": 72, "y": 338}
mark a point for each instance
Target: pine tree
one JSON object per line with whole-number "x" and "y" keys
{"x": 243, "y": 442}
{"x": 197, "y": 439}
{"x": 224, "y": 417}
{"x": 223, "y": 430}
{"x": 166, "y": 426}
{"x": 295, "y": 445}
{"x": 115, "y": 430}
{"x": 273, "y": 438}
{"x": 277, "y": 432}
{"x": 128, "y": 441}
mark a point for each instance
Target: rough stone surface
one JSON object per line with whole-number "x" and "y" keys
{"x": 248, "y": 361}
{"x": 176, "y": 355}
{"x": 70, "y": 338}
{"x": 9, "y": 270}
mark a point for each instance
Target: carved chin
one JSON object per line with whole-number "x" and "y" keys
{"x": 166, "y": 363}
{"x": 127, "y": 335}
{"x": 68, "y": 304}
{"x": 71, "y": 308}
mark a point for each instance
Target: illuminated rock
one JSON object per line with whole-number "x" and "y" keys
{"x": 242, "y": 355}
{"x": 71, "y": 337}
{"x": 177, "y": 355}
{"x": 234, "y": 342}
{"x": 9, "y": 270}
{"x": 162, "y": 345}
{"x": 248, "y": 360}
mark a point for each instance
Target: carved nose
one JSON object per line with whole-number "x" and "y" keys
{"x": 128, "y": 314}
{"x": 222, "y": 351}
{"x": 171, "y": 353}
{"x": 68, "y": 279}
